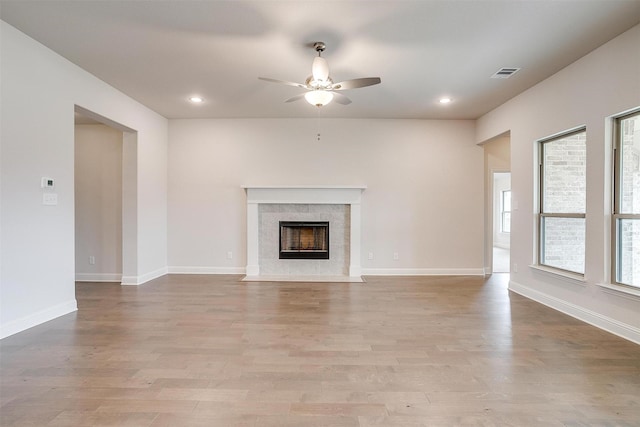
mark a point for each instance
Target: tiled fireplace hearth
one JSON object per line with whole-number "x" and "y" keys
{"x": 269, "y": 207}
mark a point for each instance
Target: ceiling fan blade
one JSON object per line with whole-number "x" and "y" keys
{"x": 266, "y": 79}
{"x": 340, "y": 98}
{"x": 295, "y": 98}
{"x": 356, "y": 83}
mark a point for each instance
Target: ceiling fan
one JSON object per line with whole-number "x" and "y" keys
{"x": 321, "y": 89}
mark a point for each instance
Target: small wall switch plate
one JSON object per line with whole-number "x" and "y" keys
{"x": 370, "y": 255}
{"x": 50, "y": 199}
{"x": 92, "y": 260}
{"x": 46, "y": 182}
{"x": 229, "y": 255}
{"x": 515, "y": 267}
{"x": 396, "y": 256}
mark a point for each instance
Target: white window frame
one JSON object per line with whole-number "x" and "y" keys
{"x": 617, "y": 214}
{"x": 541, "y": 215}
{"x": 503, "y": 211}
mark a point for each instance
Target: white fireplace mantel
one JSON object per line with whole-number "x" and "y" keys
{"x": 340, "y": 195}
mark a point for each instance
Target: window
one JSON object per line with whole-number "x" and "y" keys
{"x": 505, "y": 202}
{"x": 626, "y": 203}
{"x": 562, "y": 201}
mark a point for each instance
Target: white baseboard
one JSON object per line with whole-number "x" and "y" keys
{"x": 365, "y": 271}
{"x": 139, "y": 280}
{"x": 98, "y": 277}
{"x": 206, "y": 270}
{"x": 423, "y": 271}
{"x": 152, "y": 275}
{"x": 19, "y": 325}
{"x": 606, "y": 323}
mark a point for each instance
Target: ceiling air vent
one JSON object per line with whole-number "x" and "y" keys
{"x": 505, "y": 73}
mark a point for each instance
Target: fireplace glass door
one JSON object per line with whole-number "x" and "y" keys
{"x": 304, "y": 240}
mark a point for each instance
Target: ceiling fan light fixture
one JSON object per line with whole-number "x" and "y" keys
{"x": 313, "y": 84}
{"x": 320, "y": 69}
{"x": 319, "y": 98}
{"x": 321, "y": 88}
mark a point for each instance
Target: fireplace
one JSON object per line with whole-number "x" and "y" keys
{"x": 304, "y": 240}
{"x": 340, "y": 205}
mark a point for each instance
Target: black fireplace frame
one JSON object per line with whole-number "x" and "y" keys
{"x": 303, "y": 254}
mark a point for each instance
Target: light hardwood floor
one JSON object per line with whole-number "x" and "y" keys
{"x": 403, "y": 351}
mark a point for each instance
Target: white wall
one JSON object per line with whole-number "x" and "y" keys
{"x": 98, "y": 203}
{"x": 603, "y": 83}
{"x": 39, "y": 91}
{"x": 424, "y": 198}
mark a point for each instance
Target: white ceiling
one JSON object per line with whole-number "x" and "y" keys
{"x": 161, "y": 52}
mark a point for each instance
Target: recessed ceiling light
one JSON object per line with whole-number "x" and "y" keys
{"x": 445, "y": 100}
{"x": 196, "y": 99}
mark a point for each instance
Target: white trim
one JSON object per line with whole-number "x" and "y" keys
{"x": 139, "y": 280}
{"x": 566, "y": 276}
{"x": 336, "y": 195}
{"x": 98, "y": 277}
{"x": 38, "y": 318}
{"x": 331, "y": 187}
{"x": 129, "y": 280}
{"x": 205, "y": 270}
{"x": 606, "y": 323}
{"x": 355, "y": 270}
{"x": 303, "y": 279}
{"x": 152, "y": 275}
{"x": 423, "y": 271}
{"x": 620, "y": 290}
{"x": 568, "y": 132}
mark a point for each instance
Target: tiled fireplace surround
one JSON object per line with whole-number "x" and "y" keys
{"x": 266, "y": 206}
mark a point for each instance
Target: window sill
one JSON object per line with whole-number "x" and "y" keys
{"x": 620, "y": 289}
{"x": 573, "y": 278}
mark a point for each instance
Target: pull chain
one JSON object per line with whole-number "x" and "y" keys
{"x": 318, "y": 122}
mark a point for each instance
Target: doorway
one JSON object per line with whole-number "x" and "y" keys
{"x": 98, "y": 201}
{"x": 497, "y": 231}
{"x": 105, "y": 199}
{"x": 501, "y": 222}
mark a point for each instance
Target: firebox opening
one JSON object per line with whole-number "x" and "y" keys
{"x": 304, "y": 240}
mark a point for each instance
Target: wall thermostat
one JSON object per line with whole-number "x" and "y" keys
{"x": 46, "y": 182}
